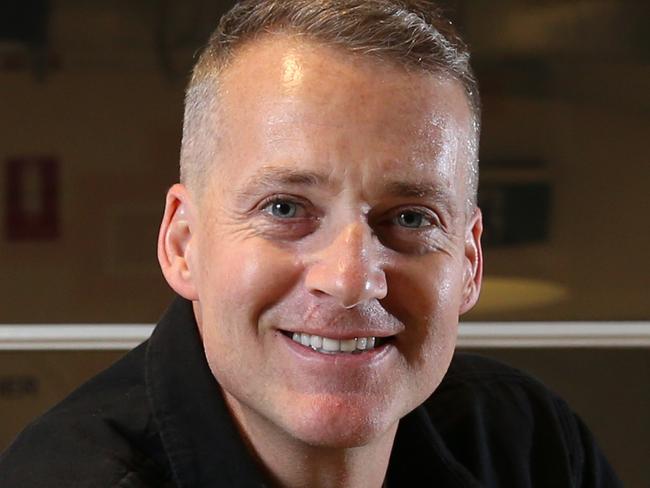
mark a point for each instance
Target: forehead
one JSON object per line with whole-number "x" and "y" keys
{"x": 286, "y": 99}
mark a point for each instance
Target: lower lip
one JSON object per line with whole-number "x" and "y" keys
{"x": 362, "y": 359}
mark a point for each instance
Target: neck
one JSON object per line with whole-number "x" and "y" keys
{"x": 321, "y": 467}
{"x": 291, "y": 463}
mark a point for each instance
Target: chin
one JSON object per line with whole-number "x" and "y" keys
{"x": 341, "y": 423}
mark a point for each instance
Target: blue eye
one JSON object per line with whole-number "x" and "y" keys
{"x": 412, "y": 219}
{"x": 282, "y": 209}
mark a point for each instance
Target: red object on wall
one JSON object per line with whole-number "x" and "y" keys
{"x": 32, "y": 199}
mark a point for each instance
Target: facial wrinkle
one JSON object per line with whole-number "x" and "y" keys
{"x": 276, "y": 177}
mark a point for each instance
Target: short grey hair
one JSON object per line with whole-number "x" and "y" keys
{"x": 410, "y": 33}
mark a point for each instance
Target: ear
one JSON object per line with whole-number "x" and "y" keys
{"x": 473, "y": 272}
{"x": 175, "y": 242}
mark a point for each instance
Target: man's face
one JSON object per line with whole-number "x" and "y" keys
{"x": 336, "y": 209}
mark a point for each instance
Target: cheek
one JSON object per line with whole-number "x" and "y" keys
{"x": 428, "y": 290}
{"x": 426, "y": 297}
{"x": 238, "y": 282}
{"x": 244, "y": 278}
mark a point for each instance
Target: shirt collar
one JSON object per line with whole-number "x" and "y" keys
{"x": 199, "y": 436}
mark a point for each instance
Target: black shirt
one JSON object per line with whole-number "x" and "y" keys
{"x": 157, "y": 418}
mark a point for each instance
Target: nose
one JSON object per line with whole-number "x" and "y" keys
{"x": 348, "y": 269}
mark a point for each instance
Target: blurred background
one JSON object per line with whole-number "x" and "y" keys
{"x": 90, "y": 121}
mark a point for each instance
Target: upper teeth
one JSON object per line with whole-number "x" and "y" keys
{"x": 329, "y": 345}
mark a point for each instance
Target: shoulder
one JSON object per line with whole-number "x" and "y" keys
{"x": 502, "y": 422}
{"x": 489, "y": 397}
{"x": 102, "y": 434}
{"x": 480, "y": 375}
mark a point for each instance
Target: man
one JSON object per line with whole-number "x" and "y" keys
{"x": 325, "y": 239}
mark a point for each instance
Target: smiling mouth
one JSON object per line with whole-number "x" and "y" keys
{"x": 328, "y": 345}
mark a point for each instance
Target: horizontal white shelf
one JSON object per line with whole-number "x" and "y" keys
{"x": 554, "y": 334}
{"x": 73, "y": 337}
{"x": 44, "y": 337}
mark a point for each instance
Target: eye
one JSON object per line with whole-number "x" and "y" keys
{"x": 413, "y": 219}
{"x": 284, "y": 209}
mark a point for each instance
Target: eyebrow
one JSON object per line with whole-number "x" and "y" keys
{"x": 426, "y": 191}
{"x": 410, "y": 189}
{"x": 272, "y": 177}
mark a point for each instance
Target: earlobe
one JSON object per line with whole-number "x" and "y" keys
{"x": 473, "y": 273}
{"x": 175, "y": 242}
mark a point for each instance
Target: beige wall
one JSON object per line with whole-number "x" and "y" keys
{"x": 599, "y": 173}
{"x": 116, "y": 136}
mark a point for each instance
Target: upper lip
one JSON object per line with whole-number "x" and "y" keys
{"x": 344, "y": 325}
{"x": 342, "y": 335}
